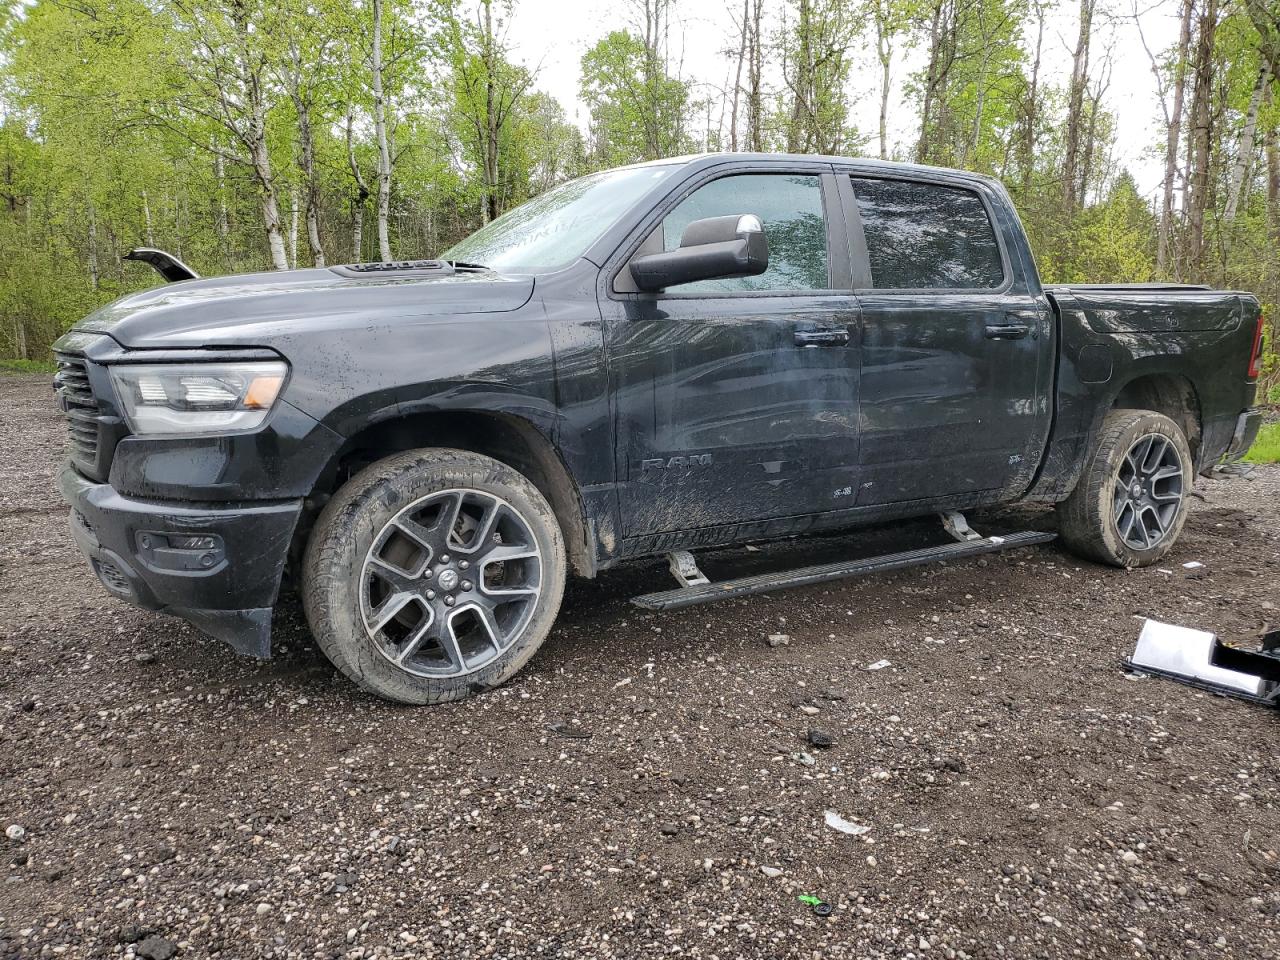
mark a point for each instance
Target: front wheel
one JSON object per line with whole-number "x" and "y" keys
{"x": 433, "y": 574}
{"x": 1131, "y": 500}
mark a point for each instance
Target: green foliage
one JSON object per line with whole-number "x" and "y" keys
{"x": 1109, "y": 242}
{"x": 637, "y": 109}
{"x": 976, "y": 84}
{"x": 27, "y": 366}
{"x": 131, "y": 123}
{"x": 1265, "y": 449}
{"x": 815, "y": 49}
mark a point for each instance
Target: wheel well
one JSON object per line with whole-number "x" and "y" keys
{"x": 510, "y": 440}
{"x": 1171, "y": 395}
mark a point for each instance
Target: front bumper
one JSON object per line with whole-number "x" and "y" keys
{"x": 216, "y": 566}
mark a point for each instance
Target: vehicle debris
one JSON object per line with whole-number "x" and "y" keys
{"x": 820, "y": 739}
{"x": 837, "y": 822}
{"x": 572, "y": 733}
{"x": 1198, "y": 658}
{"x": 820, "y": 906}
{"x": 879, "y": 665}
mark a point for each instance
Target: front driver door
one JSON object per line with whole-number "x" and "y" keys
{"x": 736, "y": 399}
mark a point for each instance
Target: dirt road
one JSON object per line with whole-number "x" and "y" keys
{"x": 1025, "y": 798}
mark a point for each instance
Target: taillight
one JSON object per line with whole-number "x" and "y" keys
{"x": 1255, "y": 358}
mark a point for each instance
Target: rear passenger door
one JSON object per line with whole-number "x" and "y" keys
{"x": 956, "y": 347}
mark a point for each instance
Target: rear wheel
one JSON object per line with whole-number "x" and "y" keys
{"x": 1131, "y": 501}
{"x": 433, "y": 574}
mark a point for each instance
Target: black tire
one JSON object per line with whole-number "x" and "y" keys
{"x": 1116, "y": 508}
{"x": 362, "y": 525}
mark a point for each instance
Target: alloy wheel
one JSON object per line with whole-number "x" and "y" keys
{"x": 450, "y": 583}
{"x": 1148, "y": 491}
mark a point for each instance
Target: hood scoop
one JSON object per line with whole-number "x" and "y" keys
{"x": 396, "y": 268}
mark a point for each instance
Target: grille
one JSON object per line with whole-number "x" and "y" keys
{"x": 72, "y": 384}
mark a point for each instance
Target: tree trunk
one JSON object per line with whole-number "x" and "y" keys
{"x": 307, "y": 159}
{"x": 380, "y": 133}
{"x": 361, "y": 196}
{"x": 221, "y": 222}
{"x": 931, "y": 81}
{"x": 94, "y": 277}
{"x": 1244, "y": 157}
{"x": 755, "y": 72}
{"x": 884, "y": 50}
{"x": 1174, "y": 138}
{"x": 146, "y": 219}
{"x": 270, "y": 207}
{"x": 20, "y": 339}
{"x": 254, "y": 137}
{"x": 737, "y": 77}
{"x": 1075, "y": 108}
{"x": 1028, "y": 159}
{"x": 801, "y": 83}
{"x": 1201, "y": 135}
{"x": 492, "y": 131}
{"x": 1273, "y": 184}
{"x": 293, "y": 228}
{"x": 975, "y": 136}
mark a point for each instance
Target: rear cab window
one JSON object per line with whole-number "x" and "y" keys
{"x": 927, "y": 236}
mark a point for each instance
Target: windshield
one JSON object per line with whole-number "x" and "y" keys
{"x": 554, "y": 229}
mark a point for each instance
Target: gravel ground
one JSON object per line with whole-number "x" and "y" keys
{"x": 1024, "y": 798}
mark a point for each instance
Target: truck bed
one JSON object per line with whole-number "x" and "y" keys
{"x": 1151, "y": 307}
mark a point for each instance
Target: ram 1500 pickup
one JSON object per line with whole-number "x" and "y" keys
{"x": 675, "y": 355}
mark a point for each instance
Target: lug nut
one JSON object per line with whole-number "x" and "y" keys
{"x": 431, "y": 594}
{"x": 466, "y": 584}
{"x": 464, "y": 565}
{"x": 448, "y": 601}
{"x": 444, "y": 558}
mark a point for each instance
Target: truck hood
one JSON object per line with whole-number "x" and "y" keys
{"x": 256, "y": 309}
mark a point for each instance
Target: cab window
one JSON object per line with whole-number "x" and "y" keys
{"x": 927, "y": 236}
{"x": 790, "y": 208}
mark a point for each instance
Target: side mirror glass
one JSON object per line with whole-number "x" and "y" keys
{"x": 710, "y": 249}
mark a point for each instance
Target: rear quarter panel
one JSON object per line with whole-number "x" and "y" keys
{"x": 1111, "y": 337}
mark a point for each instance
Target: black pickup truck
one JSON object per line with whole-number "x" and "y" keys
{"x": 649, "y": 360}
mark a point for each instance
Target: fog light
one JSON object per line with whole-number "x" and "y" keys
{"x": 192, "y": 543}
{"x": 184, "y": 552}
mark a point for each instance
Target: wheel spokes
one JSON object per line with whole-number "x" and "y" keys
{"x": 415, "y": 531}
{"x": 1147, "y": 492}
{"x": 447, "y": 519}
{"x": 487, "y": 620}
{"x": 386, "y": 611}
{"x": 399, "y": 580}
{"x": 482, "y": 533}
{"x": 449, "y": 646}
{"x": 450, "y": 583}
{"x": 418, "y": 638}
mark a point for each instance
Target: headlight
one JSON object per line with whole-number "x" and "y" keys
{"x": 197, "y": 397}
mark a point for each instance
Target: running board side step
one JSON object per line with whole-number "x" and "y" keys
{"x": 821, "y": 573}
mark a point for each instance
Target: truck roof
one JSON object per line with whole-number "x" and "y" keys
{"x": 868, "y": 163}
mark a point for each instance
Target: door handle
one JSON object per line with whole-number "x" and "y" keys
{"x": 825, "y": 337}
{"x": 1007, "y": 331}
